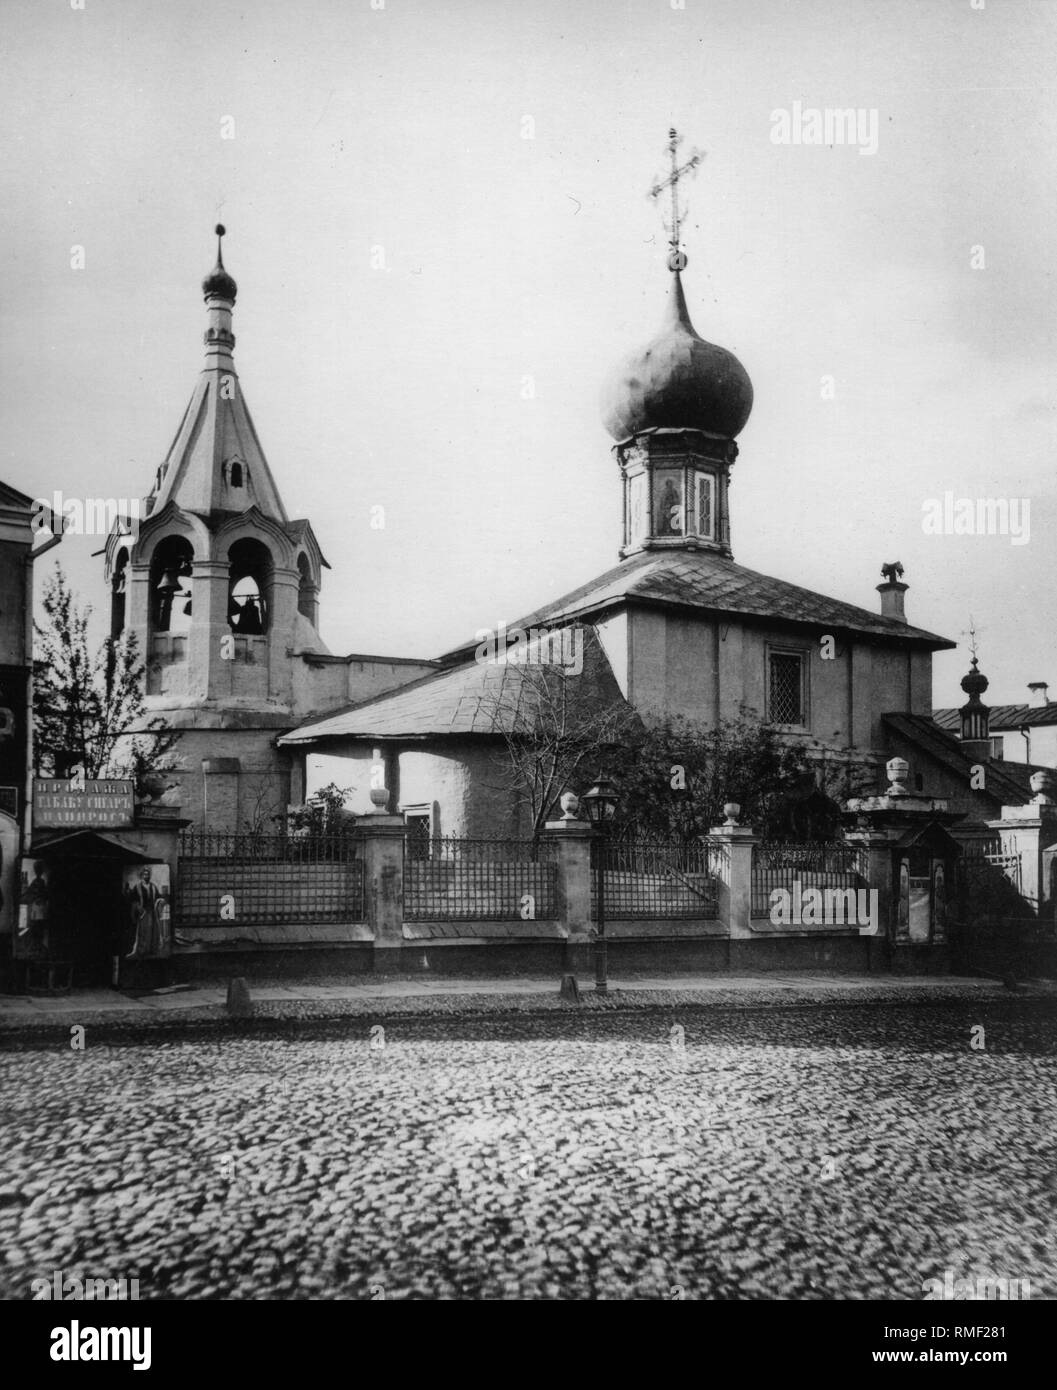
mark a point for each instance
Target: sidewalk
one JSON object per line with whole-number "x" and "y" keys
{"x": 372, "y": 995}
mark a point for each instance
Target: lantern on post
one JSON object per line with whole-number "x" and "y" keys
{"x": 601, "y": 803}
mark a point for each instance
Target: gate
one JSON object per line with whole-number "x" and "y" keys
{"x": 996, "y": 931}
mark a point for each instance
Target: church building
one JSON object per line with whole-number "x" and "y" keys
{"x": 223, "y": 590}
{"x": 676, "y": 628}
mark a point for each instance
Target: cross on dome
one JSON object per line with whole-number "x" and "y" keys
{"x": 676, "y": 258}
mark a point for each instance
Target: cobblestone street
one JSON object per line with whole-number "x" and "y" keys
{"x": 836, "y": 1152}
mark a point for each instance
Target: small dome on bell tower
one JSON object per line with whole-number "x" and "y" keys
{"x": 218, "y": 284}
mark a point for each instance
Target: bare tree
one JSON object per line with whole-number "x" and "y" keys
{"x": 558, "y": 725}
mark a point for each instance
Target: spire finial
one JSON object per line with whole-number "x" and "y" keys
{"x": 218, "y": 283}
{"x": 972, "y": 635}
{"x": 676, "y": 257}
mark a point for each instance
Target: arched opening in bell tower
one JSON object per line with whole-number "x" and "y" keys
{"x": 170, "y": 585}
{"x": 249, "y": 587}
{"x": 118, "y": 594}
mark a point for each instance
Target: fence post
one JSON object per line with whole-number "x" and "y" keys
{"x": 735, "y": 878}
{"x": 878, "y": 845}
{"x": 572, "y": 840}
{"x": 383, "y": 879}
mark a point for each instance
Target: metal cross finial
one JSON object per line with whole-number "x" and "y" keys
{"x": 220, "y": 230}
{"x": 676, "y": 258}
{"x": 971, "y": 634}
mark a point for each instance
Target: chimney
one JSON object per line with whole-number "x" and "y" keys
{"x": 1039, "y": 698}
{"x": 892, "y": 591}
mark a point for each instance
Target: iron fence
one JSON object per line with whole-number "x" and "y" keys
{"x": 454, "y": 879}
{"x": 659, "y": 878}
{"x": 1005, "y": 860}
{"x": 996, "y": 929}
{"x": 268, "y": 879}
{"x": 781, "y": 865}
{"x": 299, "y": 847}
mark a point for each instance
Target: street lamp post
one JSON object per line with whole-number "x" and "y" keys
{"x": 601, "y": 803}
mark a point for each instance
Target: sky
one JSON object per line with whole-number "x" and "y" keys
{"x": 438, "y": 219}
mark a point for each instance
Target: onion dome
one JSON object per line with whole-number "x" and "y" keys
{"x": 218, "y": 284}
{"x": 679, "y": 381}
{"x": 975, "y": 682}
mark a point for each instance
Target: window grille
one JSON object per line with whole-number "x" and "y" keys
{"x": 786, "y": 702}
{"x": 418, "y": 835}
{"x": 704, "y": 505}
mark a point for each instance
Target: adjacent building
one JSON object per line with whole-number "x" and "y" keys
{"x": 21, "y": 544}
{"x": 1025, "y": 733}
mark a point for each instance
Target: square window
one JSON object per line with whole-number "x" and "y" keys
{"x": 786, "y": 688}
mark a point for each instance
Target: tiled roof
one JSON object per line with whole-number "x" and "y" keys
{"x": 474, "y": 698}
{"x": 703, "y": 580}
{"x": 11, "y": 497}
{"x": 1002, "y": 716}
{"x": 1007, "y": 783}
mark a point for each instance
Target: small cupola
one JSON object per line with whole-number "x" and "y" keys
{"x": 975, "y": 715}
{"x": 218, "y": 284}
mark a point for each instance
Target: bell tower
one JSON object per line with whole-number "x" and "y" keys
{"x": 219, "y": 586}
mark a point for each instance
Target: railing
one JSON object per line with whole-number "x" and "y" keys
{"x": 780, "y": 866}
{"x": 298, "y": 847}
{"x": 659, "y": 878}
{"x": 450, "y": 879}
{"x": 1006, "y": 861}
{"x": 249, "y": 878}
{"x": 983, "y": 858}
{"x": 995, "y": 928}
